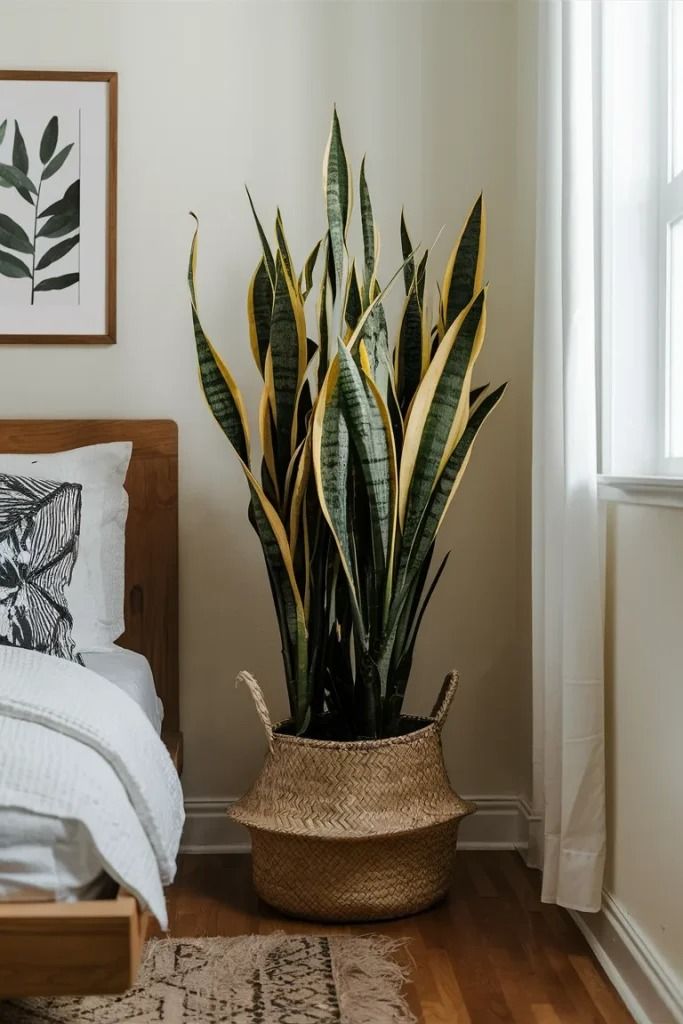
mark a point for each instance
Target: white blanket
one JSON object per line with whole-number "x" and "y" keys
{"x": 74, "y": 746}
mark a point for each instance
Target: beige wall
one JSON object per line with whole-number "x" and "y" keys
{"x": 645, "y": 723}
{"x": 216, "y": 94}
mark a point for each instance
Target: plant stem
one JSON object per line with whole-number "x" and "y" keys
{"x": 35, "y": 233}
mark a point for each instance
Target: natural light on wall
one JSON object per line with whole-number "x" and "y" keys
{"x": 639, "y": 60}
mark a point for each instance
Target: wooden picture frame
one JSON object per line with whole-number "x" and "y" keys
{"x": 103, "y": 295}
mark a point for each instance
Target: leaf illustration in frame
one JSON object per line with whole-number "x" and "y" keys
{"x": 19, "y": 154}
{"x": 13, "y": 236}
{"x": 57, "y": 251}
{"x": 57, "y": 161}
{"x": 63, "y": 224}
{"x": 3, "y": 129}
{"x": 48, "y": 142}
{"x": 10, "y": 266}
{"x": 13, "y": 176}
{"x": 51, "y": 284}
{"x": 67, "y": 204}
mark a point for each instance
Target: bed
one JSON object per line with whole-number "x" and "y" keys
{"x": 94, "y": 945}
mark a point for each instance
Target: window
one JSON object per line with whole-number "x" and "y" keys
{"x": 641, "y": 237}
{"x": 671, "y": 230}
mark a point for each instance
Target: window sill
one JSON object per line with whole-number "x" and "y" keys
{"x": 642, "y": 490}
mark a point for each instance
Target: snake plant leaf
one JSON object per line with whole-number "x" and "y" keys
{"x": 338, "y": 197}
{"x": 19, "y": 154}
{"x": 370, "y": 233}
{"x": 288, "y": 351}
{"x": 465, "y": 268}
{"x": 259, "y": 312}
{"x": 449, "y": 482}
{"x": 221, "y": 391}
{"x": 267, "y": 436}
{"x": 11, "y": 266}
{"x": 409, "y": 360}
{"x": 441, "y": 403}
{"x": 421, "y": 277}
{"x": 13, "y": 236}
{"x": 353, "y": 304}
{"x": 53, "y": 284}
{"x": 48, "y": 142}
{"x": 69, "y": 203}
{"x": 323, "y": 322}
{"x": 476, "y": 394}
{"x": 57, "y": 161}
{"x": 301, "y": 478}
{"x": 407, "y": 250}
{"x": 18, "y": 179}
{"x": 306, "y": 276}
{"x": 267, "y": 254}
{"x": 283, "y": 247}
{"x": 330, "y": 453}
{"x": 3, "y": 129}
{"x": 370, "y": 429}
{"x": 281, "y": 570}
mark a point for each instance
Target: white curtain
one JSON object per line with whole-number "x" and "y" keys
{"x": 569, "y": 772}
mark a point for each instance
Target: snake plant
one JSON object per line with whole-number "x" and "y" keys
{"x": 364, "y": 439}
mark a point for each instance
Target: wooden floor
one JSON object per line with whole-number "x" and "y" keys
{"x": 493, "y": 952}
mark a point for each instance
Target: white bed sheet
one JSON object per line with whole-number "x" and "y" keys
{"x": 131, "y": 673}
{"x": 46, "y": 858}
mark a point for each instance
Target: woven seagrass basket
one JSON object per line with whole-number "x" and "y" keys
{"x": 355, "y": 831}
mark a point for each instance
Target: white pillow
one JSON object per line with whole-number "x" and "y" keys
{"x": 96, "y": 593}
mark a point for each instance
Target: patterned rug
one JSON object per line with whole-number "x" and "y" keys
{"x": 274, "y": 979}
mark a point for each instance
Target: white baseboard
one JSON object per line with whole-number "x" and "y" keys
{"x": 647, "y": 987}
{"x": 501, "y": 823}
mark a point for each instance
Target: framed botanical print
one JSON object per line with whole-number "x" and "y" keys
{"x": 58, "y": 207}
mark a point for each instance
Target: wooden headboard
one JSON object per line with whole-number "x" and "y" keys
{"x": 151, "y": 533}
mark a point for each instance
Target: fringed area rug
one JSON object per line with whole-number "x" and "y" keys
{"x": 274, "y": 979}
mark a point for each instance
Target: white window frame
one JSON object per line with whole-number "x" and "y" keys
{"x": 655, "y": 477}
{"x": 670, "y": 212}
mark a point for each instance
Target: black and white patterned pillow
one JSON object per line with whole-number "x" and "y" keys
{"x": 40, "y": 523}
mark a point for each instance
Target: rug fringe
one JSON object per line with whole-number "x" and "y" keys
{"x": 369, "y": 980}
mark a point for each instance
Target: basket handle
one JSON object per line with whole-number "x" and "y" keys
{"x": 259, "y": 702}
{"x": 445, "y": 699}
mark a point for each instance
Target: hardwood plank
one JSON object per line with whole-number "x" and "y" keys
{"x": 490, "y": 953}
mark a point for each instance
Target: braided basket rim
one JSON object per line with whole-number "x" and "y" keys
{"x": 427, "y": 725}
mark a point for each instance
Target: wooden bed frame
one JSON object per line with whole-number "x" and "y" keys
{"x": 94, "y": 947}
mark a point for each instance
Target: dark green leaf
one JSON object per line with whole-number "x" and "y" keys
{"x": 284, "y": 347}
{"x": 69, "y": 202}
{"x": 53, "y": 284}
{"x": 25, "y": 194}
{"x": 367, "y": 220}
{"x": 57, "y": 161}
{"x": 13, "y": 176}
{"x": 260, "y": 309}
{"x": 219, "y": 388}
{"x": 267, "y": 253}
{"x": 10, "y": 266}
{"x": 56, "y": 252}
{"x": 13, "y": 235}
{"x": 3, "y": 129}
{"x": 19, "y": 154}
{"x": 406, "y": 249}
{"x": 60, "y": 225}
{"x": 464, "y": 277}
{"x": 337, "y": 197}
{"x": 353, "y": 307}
{"x": 48, "y": 143}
